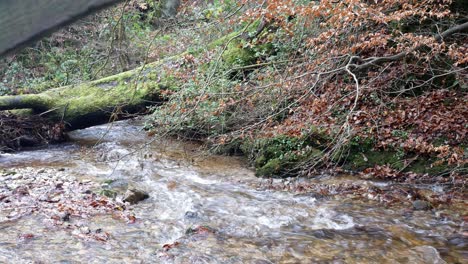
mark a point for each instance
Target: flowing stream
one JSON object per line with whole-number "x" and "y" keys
{"x": 209, "y": 209}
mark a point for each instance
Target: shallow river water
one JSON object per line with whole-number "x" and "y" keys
{"x": 209, "y": 209}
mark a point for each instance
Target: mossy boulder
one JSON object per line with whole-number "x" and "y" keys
{"x": 280, "y": 156}
{"x": 359, "y": 160}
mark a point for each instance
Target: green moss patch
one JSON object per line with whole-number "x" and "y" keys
{"x": 280, "y": 156}
{"x": 358, "y": 160}
{"x": 236, "y": 55}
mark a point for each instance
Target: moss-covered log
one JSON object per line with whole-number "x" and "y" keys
{"x": 95, "y": 102}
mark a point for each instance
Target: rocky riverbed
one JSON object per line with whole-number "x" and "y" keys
{"x": 59, "y": 200}
{"x": 70, "y": 203}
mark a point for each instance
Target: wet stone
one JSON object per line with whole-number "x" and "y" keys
{"x": 421, "y": 205}
{"x": 458, "y": 241}
{"x": 17, "y": 177}
{"x": 323, "y": 234}
{"x": 191, "y": 215}
{"x": 21, "y": 190}
{"x": 261, "y": 261}
{"x": 426, "y": 254}
{"x": 108, "y": 193}
{"x": 85, "y": 230}
{"x": 134, "y": 196}
{"x": 65, "y": 217}
{"x": 7, "y": 178}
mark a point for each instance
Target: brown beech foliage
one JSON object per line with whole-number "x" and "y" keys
{"x": 390, "y": 72}
{"x": 374, "y": 69}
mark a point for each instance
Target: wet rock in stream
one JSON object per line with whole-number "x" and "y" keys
{"x": 426, "y": 254}
{"x": 134, "y": 196}
{"x": 458, "y": 241}
{"x": 65, "y": 216}
{"x": 421, "y": 205}
{"x": 191, "y": 215}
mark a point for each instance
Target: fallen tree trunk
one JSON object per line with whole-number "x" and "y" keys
{"x": 92, "y": 103}
{"x": 96, "y": 102}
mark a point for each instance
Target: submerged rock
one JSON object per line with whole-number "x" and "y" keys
{"x": 65, "y": 216}
{"x": 426, "y": 254}
{"x": 134, "y": 196}
{"x": 458, "y": 241}
{"x": 421, "y": 205}
{"x": 108, "y": 193}
{"x": 191, "y": 215}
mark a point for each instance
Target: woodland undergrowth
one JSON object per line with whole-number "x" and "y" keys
{"x": 375, "y": 86}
